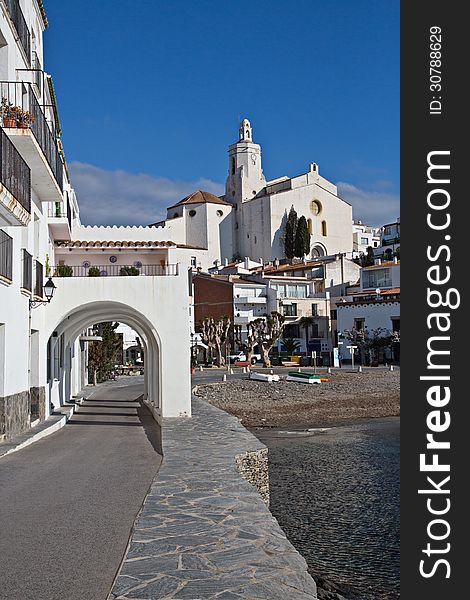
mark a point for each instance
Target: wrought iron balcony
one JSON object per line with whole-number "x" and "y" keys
{"x": 15, "y": 177}
{"x": 22, "y": 115}
{"x": 17, "y": 17}
{"x": 110, "y": 270}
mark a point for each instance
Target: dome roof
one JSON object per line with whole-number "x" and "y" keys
{"x": 200, "y": 197}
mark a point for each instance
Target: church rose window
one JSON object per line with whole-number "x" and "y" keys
{"x": 316, "y": 207}
{"x": 192, "y": 212}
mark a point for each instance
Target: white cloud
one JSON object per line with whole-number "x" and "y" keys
{"x": 123, "y": 198}
{"x": 372, "y": 207}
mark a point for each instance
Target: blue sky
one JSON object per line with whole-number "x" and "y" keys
{"x": 150, "y": 95}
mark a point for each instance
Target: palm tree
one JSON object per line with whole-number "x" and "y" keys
{"x": 305, "y": 323}
{"x": 290, "y": 345}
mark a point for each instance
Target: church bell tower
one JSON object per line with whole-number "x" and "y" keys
{"x": 245, "y": 176}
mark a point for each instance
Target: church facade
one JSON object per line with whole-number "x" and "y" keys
{"x": 249, "y": 219}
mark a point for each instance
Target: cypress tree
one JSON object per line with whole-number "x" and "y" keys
{"x": 289, "y": 235}
{"x": 302, "y": 238}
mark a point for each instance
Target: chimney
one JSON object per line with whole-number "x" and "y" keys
{"x": 247, "y": 262}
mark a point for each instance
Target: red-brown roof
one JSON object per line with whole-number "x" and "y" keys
{"x": 112, "y": 244}
{"x": 200, "y": 197}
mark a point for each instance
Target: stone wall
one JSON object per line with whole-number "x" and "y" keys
{"x": 253, "y": 466}
{"x": 38, "y": 403}
{"x": 14, "y": 415}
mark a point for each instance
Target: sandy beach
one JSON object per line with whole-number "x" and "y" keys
{"x": 345, "y": 397}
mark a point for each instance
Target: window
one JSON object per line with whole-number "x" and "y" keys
{"x": 6, "y": 255}
{"x": 38, "y": 280}
{"x": 315, "y": 330}
{"x": 175, "y": 215}
{"x": 220, "y": 213}
{"x": 255, "y": 239}
{"x": 323, "y": 228}
{"x": 364, "y": 240}
{"x": 376, "y": 244}
{"x": 395, "y": 324}
{"x": 27, "y": 282}
{"x": 359, "y": 324}
{"x": 376, "y": 278}
{"x": 334, "y": 315}
{"x": 193, "y": 261}
{"x": 309, "y": 226}
{"x": 289, "y": 310}
{"x": 314, "y": 310}
{"x": 291, "y": 331}
{"x": 233, "y": 166}
{"x": 316, "y": 207}
{"x": 192, "y": 212}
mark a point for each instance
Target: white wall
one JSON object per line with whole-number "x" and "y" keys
{"x": 375, "y": 315}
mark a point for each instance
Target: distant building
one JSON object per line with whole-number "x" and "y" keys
{"x": 375, "y": 305}
{"x": 365, "y": 237}
{"x": 389, "y": 241}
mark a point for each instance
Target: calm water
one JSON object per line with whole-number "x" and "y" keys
{"x": 336, "y": 495}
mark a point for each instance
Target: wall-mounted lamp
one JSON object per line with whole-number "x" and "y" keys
{"x": 49, "y": 289}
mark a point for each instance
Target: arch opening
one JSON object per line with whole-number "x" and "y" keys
{"x": 66, "y": 367}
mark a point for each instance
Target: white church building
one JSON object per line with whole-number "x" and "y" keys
{"x": 249, "y": 220}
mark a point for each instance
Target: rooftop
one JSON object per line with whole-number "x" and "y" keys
{"x": 200, "y": 197}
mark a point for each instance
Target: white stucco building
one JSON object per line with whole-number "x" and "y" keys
{"x": 364, "y": 237}
{"x": 249, "y": 220}
{"x": 376, "y": 305}
{"x": 125, "y": 274}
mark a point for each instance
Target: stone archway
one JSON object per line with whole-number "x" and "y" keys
{"x": 153, "y": 307}
{"x": 318, "y": 250}
{"x": 69, "y": 329}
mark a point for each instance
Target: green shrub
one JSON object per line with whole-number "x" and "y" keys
{"x": 129, "y": 271}
{"x": 64, "y": 271}
{"x": 94, "y": 272}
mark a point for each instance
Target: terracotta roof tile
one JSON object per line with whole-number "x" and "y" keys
{"x": 200, "y": 197}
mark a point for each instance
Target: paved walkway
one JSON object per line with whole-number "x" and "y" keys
{"x": 204, "y": 532}
{"x": 68, "y": 502}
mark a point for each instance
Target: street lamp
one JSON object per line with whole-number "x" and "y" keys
{"x": 49, "y": 289}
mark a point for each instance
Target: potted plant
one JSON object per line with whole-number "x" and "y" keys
{"x": 63, "y": 271}
{"x": 129, "y": 271}
{"x": 9, "y": 113}
{"x": 94, "y": 272}
{"x": 25, "y": 119}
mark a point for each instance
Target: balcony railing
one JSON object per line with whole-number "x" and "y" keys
{"x": 59, "y": 211}
{"x": 37, "y": 72}
{"x": 38, "y": 279}
{"x": 27, "y": 259}
{"x": 16, "y": 15}
{"x": 15, "y": 174}
{"x": 6, "y": 255}
{"x": 20, "y": 109}
{"x": 113, "y": 270}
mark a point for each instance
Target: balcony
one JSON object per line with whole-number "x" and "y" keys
{"x": 18, "y": 20}
{"x": 24, "y": 121}
{"x": 250, "y": 300}
{"x": 110, "y": 270}
{"x": 15, "y": 185}
{"x": 60, "y": 219}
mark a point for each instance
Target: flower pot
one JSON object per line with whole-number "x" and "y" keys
{"x": 23, "y": 124}
{"x": 9, "y": 121}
